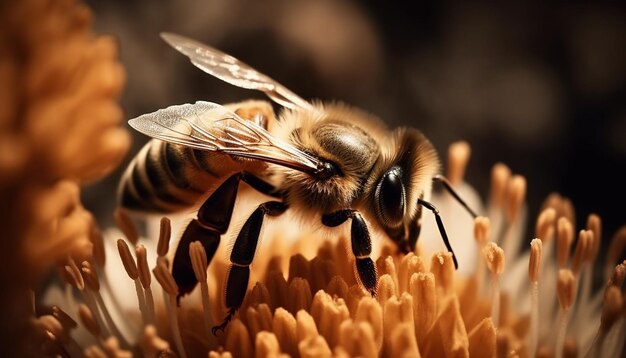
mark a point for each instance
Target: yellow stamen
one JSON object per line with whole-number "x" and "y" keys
{"x": 458, "y": 156}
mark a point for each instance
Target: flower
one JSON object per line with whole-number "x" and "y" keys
{"x": 59, "y": 121}
{"x": 305, "y": 300}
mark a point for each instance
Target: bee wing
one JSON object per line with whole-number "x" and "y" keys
{"x": 210, "y": 126}
{"x": 234, "y": 71}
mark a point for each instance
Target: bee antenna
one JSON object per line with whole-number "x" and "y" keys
{"x": 442, "y": 229}
{"x": 446, "y": 184}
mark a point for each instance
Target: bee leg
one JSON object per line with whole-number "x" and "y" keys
{"x": 213, "y": 220}
{"x": 361, "y": 243}
{"x": 207, "y": 228}
{"x": 442, "y": 229}
{"x": 242, "y": 255}
{"x": 260, "y": 185}
{"x": 446, "y": 184}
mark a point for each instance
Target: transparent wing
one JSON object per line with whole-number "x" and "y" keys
{"x": 233, "y": 71}
{"x": 210, "y": 126}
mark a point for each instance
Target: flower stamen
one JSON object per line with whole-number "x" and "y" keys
{"x": 93, "y": 284}
{"x": 494, "y": 257}
{"x": 145, "y": 277}
{"x": 566, "y": 294}
{"x": 534, "y": 269}
{"x": 565, "y": 236}
{"x": 458, "y": 156}
{"x": 165, "y": 233}
{"x": 199, "y": 265}
{"x": 170, "y": 292}
{"x": 131, "y": 269}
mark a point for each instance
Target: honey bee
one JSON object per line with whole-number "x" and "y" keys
{"x": 326, "y": 161}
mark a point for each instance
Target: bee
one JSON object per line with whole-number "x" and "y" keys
{"x": 329, "y": 162}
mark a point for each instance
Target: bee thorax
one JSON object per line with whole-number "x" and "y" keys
{"x": 347, "y": 146}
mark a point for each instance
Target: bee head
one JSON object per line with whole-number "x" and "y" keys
{"x": 403, "y": 175}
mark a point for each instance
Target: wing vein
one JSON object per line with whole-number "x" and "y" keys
{"x": 209, "y": 126}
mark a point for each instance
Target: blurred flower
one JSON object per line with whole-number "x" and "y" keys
{"x": 58, "y": 129}
{"x": 59, "y": 120}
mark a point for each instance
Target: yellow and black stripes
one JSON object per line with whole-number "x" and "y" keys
{"x": 166, "y": 177}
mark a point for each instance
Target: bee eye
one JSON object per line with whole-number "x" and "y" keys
{"x": 390, "y": 197}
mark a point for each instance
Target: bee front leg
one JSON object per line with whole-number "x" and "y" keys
{"x": 242, "y": 255}
{"x": 213, "y": 220}
{"x": 361, "y": 244}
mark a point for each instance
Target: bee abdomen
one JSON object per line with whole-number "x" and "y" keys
{"x": 166, "y": 177}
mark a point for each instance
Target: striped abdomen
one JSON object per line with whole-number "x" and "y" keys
{"x": 166, "y": 177}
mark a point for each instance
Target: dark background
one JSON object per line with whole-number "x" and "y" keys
{"x": 539, "y": 87}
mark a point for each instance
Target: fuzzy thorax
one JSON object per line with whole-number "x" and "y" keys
{"x": 347, "y": 138}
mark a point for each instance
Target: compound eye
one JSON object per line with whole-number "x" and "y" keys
{"x": 390, "y": 197}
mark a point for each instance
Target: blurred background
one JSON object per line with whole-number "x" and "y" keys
{"x": 540, "y": 87}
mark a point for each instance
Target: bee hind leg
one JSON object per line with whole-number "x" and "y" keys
{"x": 213, "y": 219}
{"x": 242, "y": 255}
{"x": 361, "y": 244}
